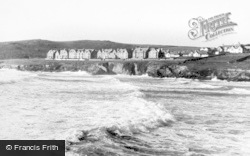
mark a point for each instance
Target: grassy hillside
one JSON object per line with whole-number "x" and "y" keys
{"x": 39, "y": 48}
{"x": 228, "y": 61}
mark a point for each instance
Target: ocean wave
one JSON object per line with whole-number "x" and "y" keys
{"x": 118, "y": 125}
{"x": 115, "y": 137}
{"x": 77, "y": 73}
{"x": 8, "y": 76}
{"x": 134, "y": 76}
{"x": 238, "y": 91}
{"x": 65, "y": 74}
{"x": 204, "y": 85}
{"x": 144, "y": 120}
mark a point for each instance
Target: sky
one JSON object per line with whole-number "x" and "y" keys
{"x": 162, "y": 22}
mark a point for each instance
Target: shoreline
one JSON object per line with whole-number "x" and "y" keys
{"x": 227, "y": 67}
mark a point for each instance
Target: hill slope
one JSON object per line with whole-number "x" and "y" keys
{"x": 39, "y": 48}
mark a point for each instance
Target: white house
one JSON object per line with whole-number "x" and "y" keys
{"x": 153, "y": 53}
{"x": 204, "y": 49}
{"x": 57, "y": 55}
{"x": 111, "y": 53}
{"x": 196, "y": 54}
{"x": 100, "y": 54}
{"x": 72, "y": 54}
{"x": 203, "y": 53}
{"x": 174, "y": 54}
{"x": 86, "y": 54}
{"x": 140, "y": 53}
{"x": 51, "y": 54}
{"x": 79, "y": 53}
{"x": 233, "y": 48}
{"x": 187, "y": 53}
{"x": 64, "y": 54}
{"x": 122, "y": 54}
{"x": 105, "y": 54}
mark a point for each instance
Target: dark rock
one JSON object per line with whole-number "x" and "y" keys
{"x": 134, "y": 67}
{"x": 152, "y": 70}
{"x": 180, "y": 70}
{"x": 96, "y": 69}
{"x": 164, "y": 72}
{"x": 128, "y": 68}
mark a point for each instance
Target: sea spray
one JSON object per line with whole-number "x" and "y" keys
{"x": 127, "y": 115}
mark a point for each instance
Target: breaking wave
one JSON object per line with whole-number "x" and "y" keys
{"x": 239, "y": 91}
{"x": 126, "y": 115}
{"x": 129, "y": 115}
{"x": 8, "y": 76}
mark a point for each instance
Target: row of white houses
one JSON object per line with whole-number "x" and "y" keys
{"x": 238, "y": 48}
{"x": 137, "y": 53}
{"x": 141, "y": 53}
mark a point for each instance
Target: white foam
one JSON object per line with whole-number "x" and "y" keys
{"x": 134, "y": 76}
{"x": 13, "y": 75}
{"x": 214, "y": 78}
{"x": 75, "y": 73}
{"x": 127, "y": 111}
{"x": 43, "y": 109}
{"x": 239, "y": 91}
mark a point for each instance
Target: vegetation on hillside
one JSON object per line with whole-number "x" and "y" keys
{"x": 39, "y": 48}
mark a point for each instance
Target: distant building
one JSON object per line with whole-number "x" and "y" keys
{"x": 106, "y": 54}
{"x": 203, "y": 53}
{"x": 216, "y": 52}
{"x": 93, "y": 53}
{"x": 51, "y": 54}
{"x": 220, "y": 49}
{"x": 64, "y": 54}
{"x": 247, "y": 48}
{"x": 87, "y": 54}
{"x": 140, "y": 53}
{"x": 174, "y": 54}
{"x": 153, "y": 53}
{"x": 196, "y": 54}
{"x": 112, "y": 54}
{"x": 124, "y": 53}
{"x": 80, "y": 54}
{"x": 233, "y": 48}
{"x": 164, "y": 53}
{"x": 187, "y": 53}
{"x": 57, "y": 55}
{"x": 204, "y": 49}
{"x": 137, "y": 53}
{"x": 100, "y": 54}
{"x": 72, "y": 54}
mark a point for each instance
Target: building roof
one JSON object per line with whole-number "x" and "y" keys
{"x": 73, "y": 50}
{"x": 141, "y": 49}
{"x": 247, "y": 46}
{"x": 107, "y": 50}
{"x": 229, "y": 46}
{"x": 151, "y": 49}
{"x": 202, "y": 52}
{"x": 174, "y": 52}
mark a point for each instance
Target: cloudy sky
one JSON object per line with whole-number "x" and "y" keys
{"x": 127, "y": 21}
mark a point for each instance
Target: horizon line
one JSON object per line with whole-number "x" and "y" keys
{"x": 113, "y": 42}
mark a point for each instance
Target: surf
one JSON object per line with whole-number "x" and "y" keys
{"x": 8, "y": 76}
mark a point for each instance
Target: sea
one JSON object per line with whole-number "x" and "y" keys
{"x": 122, "y": 115}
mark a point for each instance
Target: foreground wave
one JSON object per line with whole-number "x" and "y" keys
{"x": 126, "y": 115}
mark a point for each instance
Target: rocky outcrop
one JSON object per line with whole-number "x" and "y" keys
{"x": 154, "y": 69}
{"x": 233, "y": 74}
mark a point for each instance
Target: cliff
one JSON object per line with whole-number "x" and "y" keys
{"x": 228, "y": 67}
